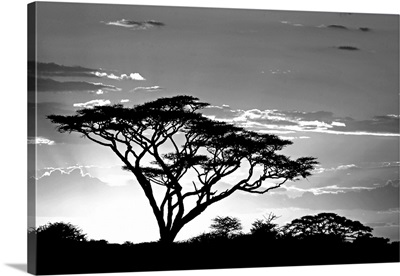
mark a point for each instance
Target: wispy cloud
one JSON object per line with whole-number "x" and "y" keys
{"x": 337, "y": 26}
{"x": 346, "y": 177}
{"x": 277, "y": 121}
{"x": 332, "y": 197}
{"x": 333, "y": 27}
{"x": 135, "y": 25}
{"x": 43, "y": 70}
{"x": 112, "y": 175}
{"x": 338, "y": 124}
{"x": 279, "y": 71}
{"x": 49, "y": 170}
{"x": 131, "y": 76}
{"x": 348, "y": 48}
{"x": 294, "y": 137}
{"x": 92, "y": 103}
{"x": 147, "y": 89}
{"x": 344, "y": 28}
{"x": 332, "y": 189}
{"x": 40, "y": 141}
{"x": 125, "y": 101}
{"x": 334, "y": 169}
{"x": 382, "y": 198}
{"x": 50, "y": 85}
{"x": 291, "y": 23}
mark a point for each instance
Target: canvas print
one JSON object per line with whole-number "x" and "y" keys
{"x": 172, "y": 138}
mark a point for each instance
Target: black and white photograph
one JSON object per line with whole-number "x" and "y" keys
{"x": 180, "y": 138}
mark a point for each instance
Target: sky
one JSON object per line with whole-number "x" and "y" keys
{"x": 329, "y": 82}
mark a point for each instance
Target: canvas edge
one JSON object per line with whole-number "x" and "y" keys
{"x": 31, "y": 131}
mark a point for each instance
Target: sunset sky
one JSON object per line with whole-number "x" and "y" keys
{"x": 327, "y": 81}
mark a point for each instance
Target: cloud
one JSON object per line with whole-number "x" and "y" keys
{"x": 382, "y": 198}
{"x": 377, "y": 199}
{"x": 292, "y": 24}
{"x": 344, "y": 28}
{"x": 42, "y": 70}
{"x": 92, "y": 103}
{"x": 364, "y": 29}
{"x": 294, "y": 137}
{"x": 48, "y": 171}
{"x": 335, "y": 26}
{"x": 50, "y": 85}
{"x": 279, "y": 71}
{"x": 147, "y": 89}
{"x": 99, "y": 92}
{"x": 125, "y": 101}
{"x": 338, "y": 124}
{"x": 347, "y": 167}
{"x": 40, "y": 141}
{"x": 52, "y": 69}
{"x": 135, "y": 25}
{"x": 348, "y": 48}
{"x": 363, "y": 176}
{"x": 278, "y": 121}
{"x": 131, "y": 76}
{"x": 112, "y": 175}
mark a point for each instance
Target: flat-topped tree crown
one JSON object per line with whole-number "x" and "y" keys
{"x": 179, "y": 141}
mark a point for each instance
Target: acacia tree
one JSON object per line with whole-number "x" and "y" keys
{"x": 226, "y": 226}
{"x": 328, "y": 225}
{"x": 162, "y": 141}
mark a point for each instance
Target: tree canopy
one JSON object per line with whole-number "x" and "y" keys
{"x": 328, "y": 225}
{"x": 226, "y": 226}
{"x": 162, "y": 141}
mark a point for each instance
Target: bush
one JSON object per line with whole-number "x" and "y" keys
{"x": 265, "y": 228}
{"x": 58, "y": 231}
{"x": 207, "y": 238}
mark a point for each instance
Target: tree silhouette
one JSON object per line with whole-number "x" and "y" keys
{"x": 167, "y": 143}
{"x": 265, "y": 228}
{"x": 326, "y": 225}
{"x": 226, "y": 226}
{"x": 58, "y": 231}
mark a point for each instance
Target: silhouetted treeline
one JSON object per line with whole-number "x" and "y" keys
{"x": 322, "y": 239}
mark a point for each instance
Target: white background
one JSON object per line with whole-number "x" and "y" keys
{"x": 13, "y": 125}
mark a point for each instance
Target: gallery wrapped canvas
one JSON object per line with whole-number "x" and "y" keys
{"x": 172, "y": 138}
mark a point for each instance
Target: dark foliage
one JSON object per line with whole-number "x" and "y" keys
{"x": 209, "y": 251}
{"x": 329, "y": 226}
{"x": 226, "y": 226}
{"x": 265, "y": 229}
{"x": 58, "y": 231}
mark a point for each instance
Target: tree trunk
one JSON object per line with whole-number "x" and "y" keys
{"x": 167, "y": 236}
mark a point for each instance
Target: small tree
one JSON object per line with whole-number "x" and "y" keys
{"x": 265, "y": 228}
{"x": 326, "y": 225}
{"x": 226, "y": 226}
{"x": 160, "y": 142}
